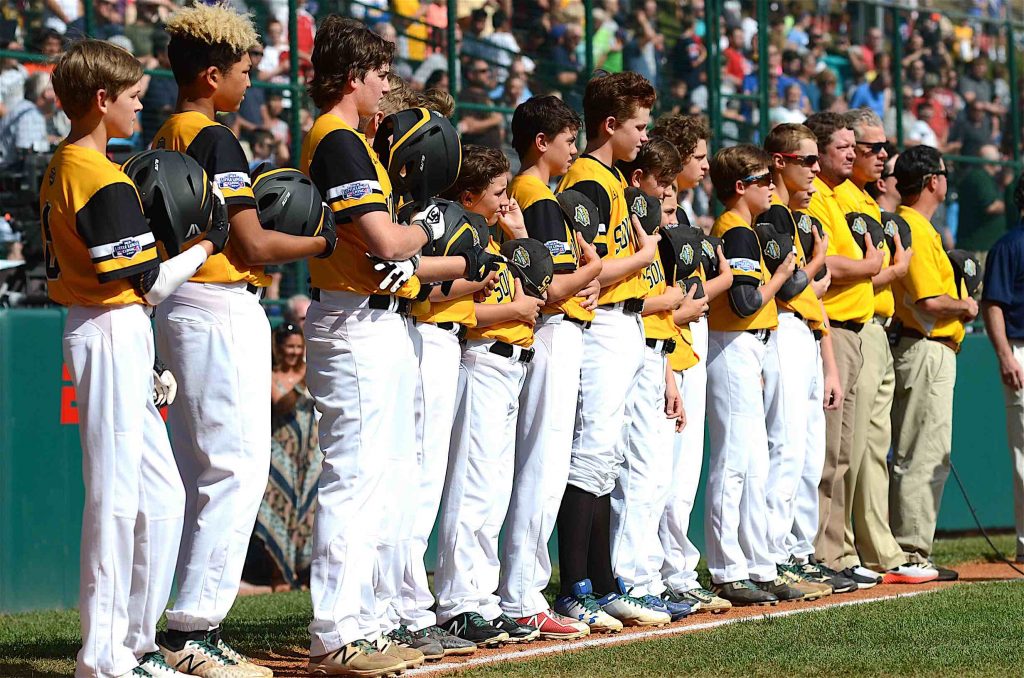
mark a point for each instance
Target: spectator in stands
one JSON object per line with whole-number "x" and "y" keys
{"x": 50, "y": 43}
{"x": 275, "y": 43}
{"x": 473, "y": 42}
{"x": 284, "y": 525}
{"x": 438, "y": 80}
{"x": 160, "y": 93}
{"x": 12, "y": 80}
{"x": 295, "y": 310}
{"x": 976, "y": 85}
{"x": 567, "y": 67}
{"x": 24, "y": 127}
{"x": 971, "y": 131}
{"x": 688, "y": 55}
{"x": 143, "y": 20}
{"x": 505, "y": 47}
{"x": 252, "y": 113}
{"x": 62, "y": 15}
{"x": 608, "y": 39}
{"x": 981, "y": 205}
{"x": 262, "y": 146}
{"x": 914, "y": 80}
{"x": 107, "y": 19}
{"x": 642, "y": 53}
{"x": 921, "y": 132}
{"x": 480, "y": 127}
{"x": 278, "y": 127}
{"x": 792, "y": 108}
{"x": 737, "y": 65}
{"x": 799, "y": 37}
{"x": 876, "y": 95}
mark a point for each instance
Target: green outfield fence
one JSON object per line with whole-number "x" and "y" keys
{"x": 41, "y": 493}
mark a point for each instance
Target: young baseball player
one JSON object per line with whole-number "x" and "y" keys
{"x": 479, "y": 484}
{"x": 743, "y": 386}
{"x": 616, "y": 112}
{"x": 362, "y": 365}
{"x": 867, "y": 533}
{"x": 689, "y": 135}
{"x": 849, "y": 303}
{"x": 544, "y": 131}
{"x": 214, "y": 336}
{"x": 639, "y": 493}
{"x": 794, "y": 153}
{"x": 102, "y": 263}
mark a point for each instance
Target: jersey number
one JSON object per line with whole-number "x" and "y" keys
{"x": 622, "y": 236}
{"x": 654, "y": 274}
{"x": 503, "y": 290}
{"x": 49, "y": 254}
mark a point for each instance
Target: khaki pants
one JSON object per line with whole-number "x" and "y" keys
{"x": 922, "y": 422}
{"x": 867, "y": 481}
{"x": 1015, "y": 437}
{"x": 839, "y": 424}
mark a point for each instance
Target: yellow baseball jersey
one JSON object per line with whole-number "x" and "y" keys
{"x": 510, "y": 332}
{"x": 214, "y": 147}
{"x": 605, "y": 185}
{"x": 683, "y": 357}
{"x": 854, "y": 302}
{"x": 930, "y": 275}
{"x": 352, "y": 180}
{"x": 545, "y": 222}
{"x": 854, "y": 199}
{"x": 743, "y": 252}
{"x": 657, "y": 325}
{"x": 805, "y": 304}
{"x": 459, "y": 310}
{"x": 95, "y": 237}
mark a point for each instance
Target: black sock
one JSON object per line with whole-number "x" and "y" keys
{"x": 574, "y": 520}
{"x": 599, "y": 563}
{"x": 175, "y": 640}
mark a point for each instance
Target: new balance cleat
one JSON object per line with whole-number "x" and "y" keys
{"x": 743, "y": 592}
{"x": 781, "y": 588}
{"x": 213, "y": 637}
{"x": 819, "y": 572}
{"x": 202, "y": 658}
{"x": 581, "y": 605}
{"x": 154, "y": 665}
{"x": 430, "y": 647}
{"x": 452, "y": 645}
{"x": 517, "y": 633}
{"x": 700, "y": 599}
{"x": 358, "y": 658}
{"x": 553, "y": 626}
{"x": 409, "y": 657}
{"x": 472, "y": 627}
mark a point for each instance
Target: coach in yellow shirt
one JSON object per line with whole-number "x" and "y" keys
{"x": 850, "y": 304}
{"x": 932, "y": 318}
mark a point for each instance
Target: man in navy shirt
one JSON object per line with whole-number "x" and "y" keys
{"x": 1003, "y": 309}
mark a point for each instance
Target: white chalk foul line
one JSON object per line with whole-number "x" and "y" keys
{"x": 616, "y": 639}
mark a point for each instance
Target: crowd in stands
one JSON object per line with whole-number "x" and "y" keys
{"x": 954, "y": 86}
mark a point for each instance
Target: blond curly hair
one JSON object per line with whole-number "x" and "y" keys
{"x": 208, "y": 35}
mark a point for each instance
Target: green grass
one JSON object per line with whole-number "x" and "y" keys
{"x": 45, "y": 643}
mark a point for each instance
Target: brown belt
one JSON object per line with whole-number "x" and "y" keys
{"x": 914, "y": 334}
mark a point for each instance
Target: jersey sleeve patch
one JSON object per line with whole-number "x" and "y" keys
{"x": 743, "y": 253}
{"x": 218, "y": 151}
{"x": 114, "y": 229}
{"x": 346, "y": 176}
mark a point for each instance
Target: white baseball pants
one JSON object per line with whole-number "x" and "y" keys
{"x": 679, "y": 569}
{"x": 479, "y": 484}
{"x": 215, "y": 339}
{"x": 613, "y": 356}
{"x": 439, "y": 355}
{"x": 800, "y": 542}
{"x": 547, "y": 415}
{"x": 362, "y": 372}
{"x": 640, "y": 493}
{"x": 131, "y": 523}
{"x": 739, "y": 411}
{"x": 801, "y": 392}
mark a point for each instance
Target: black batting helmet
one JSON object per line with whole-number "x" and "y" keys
{"x": 421, "y": 152}
{"x": 176, "y": 196}
{"x": 288, "y": 202}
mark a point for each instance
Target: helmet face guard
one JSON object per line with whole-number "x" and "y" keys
{"x": 421, "y": 151}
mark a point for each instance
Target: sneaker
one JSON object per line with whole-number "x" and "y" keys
{"x": 472, "y": 627}
{"x": 452, "y": 645}
{"x": 430, "y": 647}
{"x": 358, "y": 658}
{"x": 633, "y": 611}
{"x": 863, "y": 579}
{"x": 820, "y": 573}
{"x": 517, "y": 633}
{"x": 676, "y": 609}
{"x": 911, "y": 573}
{"x": 154, "y": 665}
{"x": 781, "y": 588}
{"x": 409, "y": 657}
{"x": 812, "y": 590}
{"x": 700, "y": 600}
{"x": 581, "y": 605}
{"x": 553, "y": 626}
{"x": 201, "y": 658}
{"x": 945, "y": 574}
{"x": 213, "y": 637}
{"x": 744, "y": 592}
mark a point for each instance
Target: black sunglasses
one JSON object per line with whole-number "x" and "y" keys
{"x": 874, "y": 147}
{"x": 937, "y": 173}
{"x": 763, "y": 180}
{"x": 803, "y": 160}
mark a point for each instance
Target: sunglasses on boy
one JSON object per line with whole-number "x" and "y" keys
{"x": 764, "y": 180}
{"x": 802, "y": 160}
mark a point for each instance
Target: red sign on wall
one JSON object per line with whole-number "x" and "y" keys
{"x": 68, "y": 403}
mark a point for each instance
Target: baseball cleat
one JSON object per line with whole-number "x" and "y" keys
{"x": 781, "y": 588}
{"x": 409, "y": 657}
{"x": 911, "y": 573}
{"x": 581, "y": 605}
{"x": 358, "y": 658}
{"x": 201, "y": 658}
{"x": 819, "y": 572}
{"x": 154, "y": 665}
{"x": 517, "y": 633}
{"x": 744, "y": 592}
{"x": 676, "y": 609}
{"x": 864, "y": 578}
{"x": 553, "y": 626}
{"x": 632, "y": 611}
{"x": 430, "y": 647}
{"x": 472, "y": 627}
{"x": 213, "y": 637}
{"x": 452, "y": 645}
{"x": 700, "y": 599}
{"x": 946, "y": 574}
{"x": 811, "y": 590}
